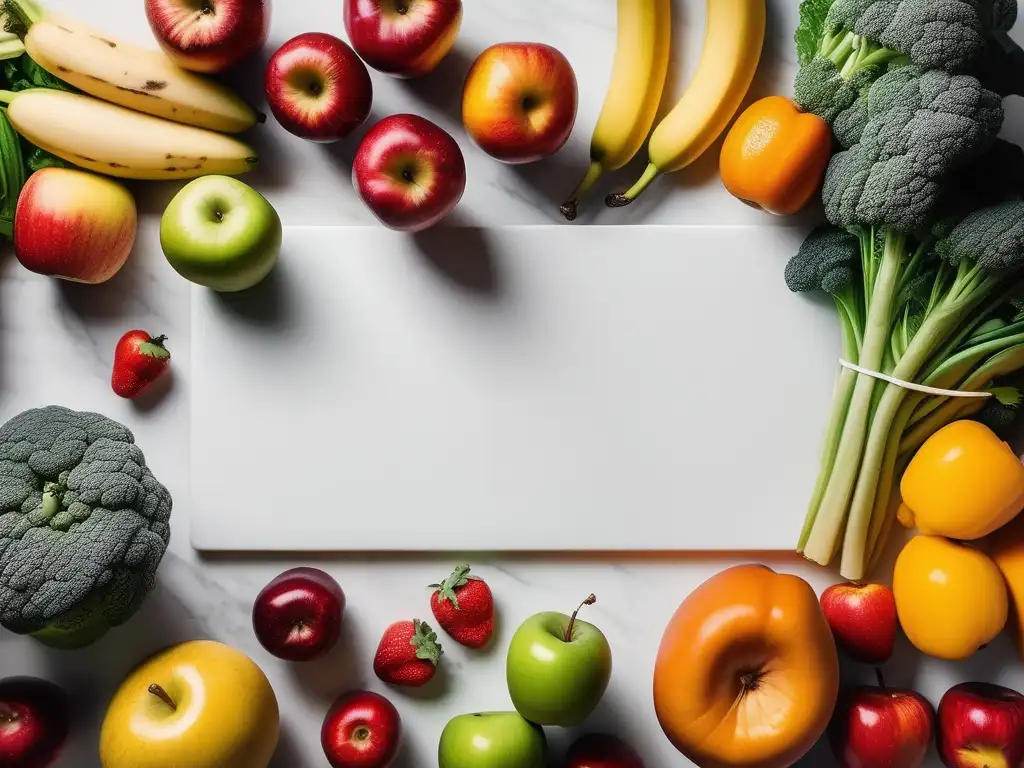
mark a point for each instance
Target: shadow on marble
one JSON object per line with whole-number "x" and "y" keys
{"x": 547, "y": 183}
{"x": 288, "y": 753}
{"x": 343, "y": 153}
{"x": 344, "y": 669}
{"x": 442, "y": 88}
{"x": 110, "y": 299}
{"x": 156, "y": 393}
{"x": 411, "y": 756}
{"x": 437, "y": 689}
{"x": 464, "y": 256}
{"x": 271, "y": 305}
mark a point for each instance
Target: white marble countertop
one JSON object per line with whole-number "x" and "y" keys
{"x": 56, "y": 341}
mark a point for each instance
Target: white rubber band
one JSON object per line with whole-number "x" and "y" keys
{"x": 911, "y": 385}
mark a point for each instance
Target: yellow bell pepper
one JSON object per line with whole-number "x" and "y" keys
{"x": 1008, "y": 553}
{"x": 950, "y": 598}
{"x": 775, "y": 156}
{"x": 964, "y": 483}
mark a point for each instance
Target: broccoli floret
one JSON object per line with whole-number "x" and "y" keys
{"x": 826, "y": 261}
{"x": 1001, "y": 411}
{"x": 992, "y": 238}
{"x": 921, "y": 126}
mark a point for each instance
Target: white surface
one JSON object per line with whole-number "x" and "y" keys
{"x": 56, "y": 342}
{"x": 538, "y": 388}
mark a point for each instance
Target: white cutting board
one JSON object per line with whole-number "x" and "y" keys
{"x": 540, "y": 388}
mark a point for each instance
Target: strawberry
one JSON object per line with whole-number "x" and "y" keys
{"x": 139, "y": 360}
{"x": 408, "y": 654}
{"x": 464, "y": 607}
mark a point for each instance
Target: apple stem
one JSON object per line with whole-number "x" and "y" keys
{"x": 879, "y": 678}
{"x": 165, "y": 697}
{"x": 591, "y": 599}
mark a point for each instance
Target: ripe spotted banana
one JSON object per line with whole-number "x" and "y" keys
{"x": 631, "y": 104}
{"x": 116, "y": 141}
{"x": 733, "y": 39}
{"x": 134, "y": 77}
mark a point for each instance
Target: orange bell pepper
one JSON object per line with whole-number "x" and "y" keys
{"x": 747, "y": 672}
{"x": 775, "y": 156}
{"x": 1008, "y": 553}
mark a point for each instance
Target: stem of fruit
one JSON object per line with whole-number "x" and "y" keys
{"x": 591, "y": 599}
{"x": 161, "y": 694}
{"x": 619, "y": 199}
{"x": 880, "y": 678}
{"x": 568, "y": 208}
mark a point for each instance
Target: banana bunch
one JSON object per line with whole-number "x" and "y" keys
{"x": 733, "y": 39}
{"x": 139, "y": 116}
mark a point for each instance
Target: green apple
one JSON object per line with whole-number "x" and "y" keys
{"x": 558, "y": 668}
{"x": 491, "y": 740}
{"x": 221, "y": 233}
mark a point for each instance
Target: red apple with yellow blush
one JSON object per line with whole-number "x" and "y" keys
{"x": 520, "y": 100}
{"x": 403, "y": 38}
{"x": 863, "y": 620}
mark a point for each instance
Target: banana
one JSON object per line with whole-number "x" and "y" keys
{"x": 631, "y": 104}
{"x": 733, "y": 39}
{"x": 116, "y": 141}
{"x": 134, "y": 77}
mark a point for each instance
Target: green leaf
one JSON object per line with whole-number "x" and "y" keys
{"x": 23, "y": 73}
{"x": 424, "y": 640}
{"x": 446, "y": 589}
{"x": 811, "y": 28}
{"x": 38, "y": 159}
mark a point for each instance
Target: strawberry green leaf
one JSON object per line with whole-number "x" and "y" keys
{"x": 424, "y": 640}
{"x": 458, "y": 578}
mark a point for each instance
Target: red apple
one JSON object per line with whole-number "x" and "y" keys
{"x": 297, "y": 616}
{"x": 409, "y": 172}
{"x": 598, "y": 750}
{"x": 881, "y": 728}
{"x": 981, "y": 724}
{"x": 209, "y": 35}
{"x": 318, "y": 88}
{"x": 405, "y": 38}
{"x": 361, "y": 730}
{"x": 34, "y": 722}
{"x": 74, "y": 225}
{"x": 520, "y": 101}
{"x": 863, "y": 620}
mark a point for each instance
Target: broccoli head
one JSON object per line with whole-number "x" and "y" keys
{"x": 991, "y": 237}
{"x": 921, "y": 126}
{"x": 827, "y": 261}
{"x": 83, "y": 525}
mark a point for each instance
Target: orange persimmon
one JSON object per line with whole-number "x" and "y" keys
{"x": 775, "y": 156}
{"x": 747, "y": 673}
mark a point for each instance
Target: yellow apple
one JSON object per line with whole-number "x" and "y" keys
{"x": 200, "y": 704}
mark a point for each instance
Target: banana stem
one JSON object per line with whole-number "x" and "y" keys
{"x": 568, "y": 208}
{"x": 620, "y": 199}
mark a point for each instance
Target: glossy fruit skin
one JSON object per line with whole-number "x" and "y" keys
{"x": 881, "y": 728}
{"x": 74, "y": 225}
{"x": 362, "y": 729}
{"x": 600, "y": 750}
{"x": 408, "y": 654}
{"x": 35, "y": 720}
{"x": 493, "y": 109}
{"x": 981, "y": 724}
{"x": 774, "y": 156}
{"x": 863, "y": 620}
{"x": 1007, "y": 549}
{"x": 428, "y": 29}
{"x": 491, "y": 740}
{"x": 464, "y": 608}
{"x": 950, "y": 598}
{"x": 963, "y": 483}
{"x": 409, "y": 172}
{"x": 297, "y": 616}
{"x": 743, "y": 626}
{"x": 139, "y": 360}
{"x": 227, "y": 713}
{"x": 240, "y": 29}
{"x": 318, "y": 88}
{"x": 550, "y": 681}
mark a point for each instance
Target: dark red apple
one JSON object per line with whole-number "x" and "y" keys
{"x": 863, "y": 620}
{"x": 981, "y": 724}
{"x": 881, "y": 728}
{"x": 409, "y": 172}
{"x": 209, "y": 35}
{"x": 361, "y": 730}
{"x": 34, "y": 722}
{"x": 318, "y": 88}
{"x": 297, "y": 616}
{"x": 599, "y": 750}
{"x": 405, "y": 38}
